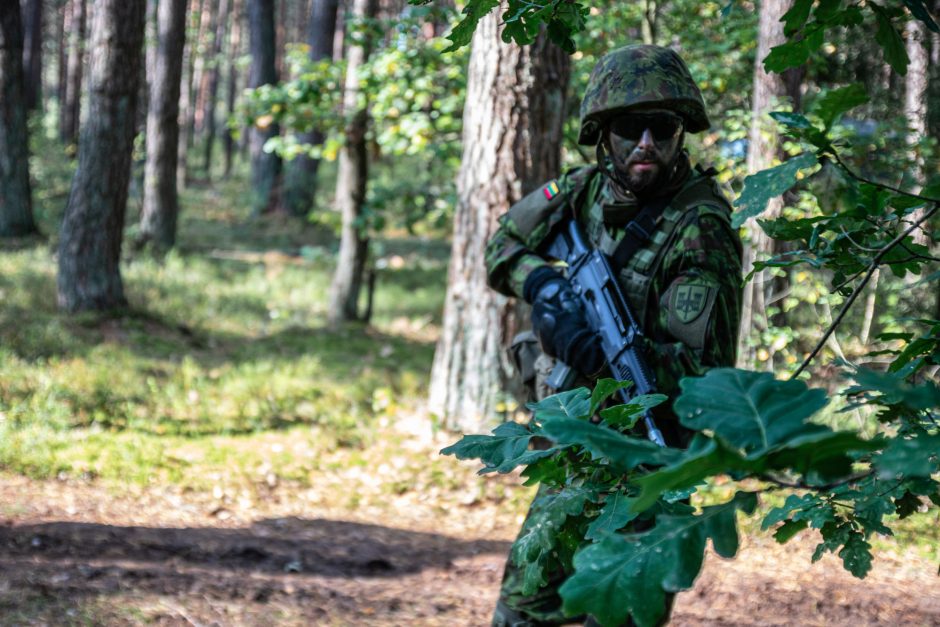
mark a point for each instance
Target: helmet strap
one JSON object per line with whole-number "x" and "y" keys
{"x": 607, "y": 169}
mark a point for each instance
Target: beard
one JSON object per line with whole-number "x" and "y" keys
{"x": 642, "y": 174}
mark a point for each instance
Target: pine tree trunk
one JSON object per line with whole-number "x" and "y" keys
{"x": 71, "y": 111}
{"x": 265, "y": 167}
{"x": 212, "y": 95}
{"x": 16, "y": 209}
{"x": 762, "y": 149}
{"x": 234, "y": 50}
{"x": 300, "y": 176}
{"x": 511, "y": 136}
{"x": 351, "y": 181}
{"x": 63, "y": 19}
{"x": 200, "y": 72}
{"x": 90, "y": 239}
{"x": 190, "y": 51}
{"x": 32, "y": 52}
{"x": 161, "y": 203}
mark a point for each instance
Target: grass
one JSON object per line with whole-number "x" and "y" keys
{"x": 225, "y": 344}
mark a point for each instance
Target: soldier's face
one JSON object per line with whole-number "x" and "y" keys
{"x": 642, "y": 146}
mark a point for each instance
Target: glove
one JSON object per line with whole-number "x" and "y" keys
{"x": 560, "y": 323}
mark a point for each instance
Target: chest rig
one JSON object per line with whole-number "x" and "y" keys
{"x": 699, "y": 196}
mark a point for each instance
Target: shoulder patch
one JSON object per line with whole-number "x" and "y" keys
{"x": 690, "y": 303}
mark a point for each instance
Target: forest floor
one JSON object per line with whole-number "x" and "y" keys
{"x": 86, "y": 552}
{"x": 216, "y": 455}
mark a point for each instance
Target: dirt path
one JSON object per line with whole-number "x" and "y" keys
{"x": 73, "y": 553}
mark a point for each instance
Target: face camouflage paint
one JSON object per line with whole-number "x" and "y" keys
{"x": 643, "y": 147}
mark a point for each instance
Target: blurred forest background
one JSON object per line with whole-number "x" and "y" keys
{"x": 241, "y": 262}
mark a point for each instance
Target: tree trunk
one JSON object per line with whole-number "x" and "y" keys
{"x": 650, "y": 21}
{"x": 762, "y": 149}
{"x": 71, "y": 110}
{"x": 190, "y": 52}
{"x": 300, "y": 177}
{"x": 933, "y": 87}
{"x": 16, "y": 208}
{"x": 351, "y": 181}
{"x": 161, "y": 203}
{"x": 234, "y": 50}
{"x": 212, "y": 95}
{"x": 32, "y": 52}
{"x": 265, "y": 167}
{"x": 915, "y": 110}
{"x": 90, "y": 239}
{"x": 200, "y": 71}
{"x": 511, "y": 136}
{"x": 63, "y": 19}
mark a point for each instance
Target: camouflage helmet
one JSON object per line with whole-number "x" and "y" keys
{"x": 638, "y": 77}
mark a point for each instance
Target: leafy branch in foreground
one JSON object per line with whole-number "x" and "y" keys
{"x": 615, "y": 509}
{"x": 872, "y": 226}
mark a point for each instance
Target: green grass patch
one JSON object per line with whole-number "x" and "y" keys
{"x": 225, "y": 342}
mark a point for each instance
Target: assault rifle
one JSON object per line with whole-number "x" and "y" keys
{"x": 608, "y": 313}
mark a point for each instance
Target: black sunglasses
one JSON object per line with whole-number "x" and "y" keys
{"x": 631, "y": 126}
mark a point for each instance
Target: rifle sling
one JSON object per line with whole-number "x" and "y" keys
{"x": 637, "y": 233}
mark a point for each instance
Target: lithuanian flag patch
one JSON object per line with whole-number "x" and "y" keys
{"x": 551, "y": 190}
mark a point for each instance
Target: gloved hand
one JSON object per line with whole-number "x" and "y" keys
{"x": 560, "y": 323}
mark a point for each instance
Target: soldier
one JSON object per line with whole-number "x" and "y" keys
{"x": 665, "y": 225}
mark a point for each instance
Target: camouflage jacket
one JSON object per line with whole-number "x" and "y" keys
{"x": 684, "y": 284}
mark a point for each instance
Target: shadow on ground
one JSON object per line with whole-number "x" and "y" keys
{"x": 282, "y": 545}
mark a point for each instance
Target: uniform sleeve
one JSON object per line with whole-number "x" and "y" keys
{"x": 700, "y": 302}
{"x": 508, "y": 260}
{"x": 511, "y": 252}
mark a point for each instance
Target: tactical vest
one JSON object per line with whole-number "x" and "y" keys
{"x": 699, "y": 196}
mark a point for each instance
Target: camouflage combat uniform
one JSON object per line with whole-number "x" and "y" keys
{"x": 684, "y": 285}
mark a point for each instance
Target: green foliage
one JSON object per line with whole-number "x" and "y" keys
{"x": 544, "y": 530}
{"x": 506, "y": 449}
{"x": 750, "y": 411}
{"x": 628, "y": 575}
{"x": 414, "y": 96}
{"x": 522, "y": 21}
{"x": 759, "y": 188}
{"x": 598, "y": 483}
{"x": 806, "y": 26}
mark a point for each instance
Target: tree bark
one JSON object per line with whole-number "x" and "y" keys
{"x": 90, "y": 239}
{"x": 915, "y": 110}
{"x": 207, "y": 28}
{"x": 234, "y": 50}
{"x": 161, "y": 203}
{"x": 300, "y": 177}
{"x": 63, "y": 18}
{"x": 265, "y": 167}
{"x": 16, "y": 208}
{"x": 649, "y": 25}
{"x": 72, "y": 109}
{"x": 32, "y": 52}
{"x": 511, "y": 136}
{"x": 351, "y": 182}
{"x": 212, "y": 94}
{"x": 762, "y": 149}
{"x": 190, "y": 52}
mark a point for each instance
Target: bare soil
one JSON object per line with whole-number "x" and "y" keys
{"x": 80, "y": 553}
